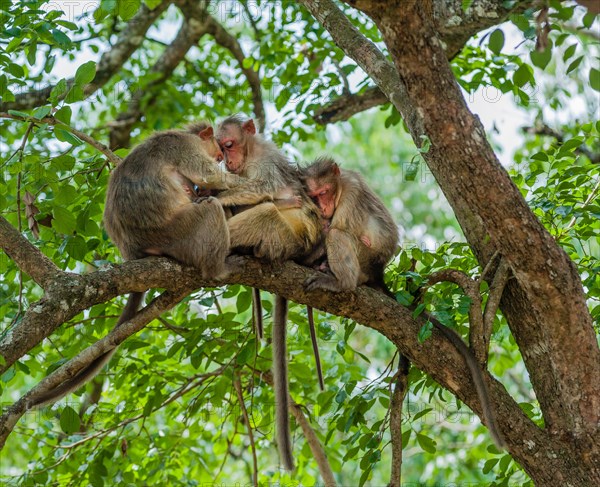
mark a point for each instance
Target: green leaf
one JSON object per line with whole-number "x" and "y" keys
{"x": 15, "y": 69}
{"x": 588, "y": 20}
{"x": 496, "y": 42}
{"x": 59, "y": 89}
{"x": 16, "y": 113}
{"x": 418, "y": 310}
{"x": 66, "y": 136}
{"x": 69, "y": 420}
{"x": 12, "y": 45}
{"x": 247, "y": 63}
{"x": 85, "y": 73}
{"x": 489, "y": 464}
{"x": 425, "y": 332}
{"x": 32, "y": 53}
{"x": 41, "y": 112}
{"x": 466, "y": 4}
{"x": 404, "y": 298}
{"x": 64, "y": 221}
{"x": 76, "y": 248}
{"x": 575, "y": 64}
{"x": 128, "y": 8}
{"x": 75, "y": 94}
{"x": 541, "y": 59}
{"x": 595, "y": 79}
{"x": 64, "y": 114}
{"x": 152, "y": 4}
{"x": 569, "y": 51}
{"x": 426, "y": 443}
{"x": 62, "y": 39}
{"x": 522, "y": 76}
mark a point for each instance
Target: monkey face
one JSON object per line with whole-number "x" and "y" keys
{"x": 215, "y": 151}
{"x": 231, "y": 142}
{"x": 324, "y": 198}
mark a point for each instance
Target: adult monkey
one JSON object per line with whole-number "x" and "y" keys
{"x": 269, "y": 233}
{"x": 149, "y": 211}
{"x": 361, "y": 238}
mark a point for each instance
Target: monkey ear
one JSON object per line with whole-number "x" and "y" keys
{"x": 249, "y": 127}
{"x": 335, "y": 169}
{"x": 206, "y": 133}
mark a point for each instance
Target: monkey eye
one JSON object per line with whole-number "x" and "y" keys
{"x": 228, "y": 144}
{"x": 323, "y": 193}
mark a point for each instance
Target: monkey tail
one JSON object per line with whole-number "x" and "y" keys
{"x": 480, "y": 385}
{"x": 280, "y": 381}
{"x": 315, "y": 345}
{"x": 90, "y": 371}
{"x": 257, "y": 312}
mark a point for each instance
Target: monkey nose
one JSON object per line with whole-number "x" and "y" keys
{"x": 220, "y": 157}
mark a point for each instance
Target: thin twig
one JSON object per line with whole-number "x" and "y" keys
{"x": 496, "y": 289}
{"x": 238, "y": 389}
{"x": 110, "y": 155}
{"x": 314, "y": 444}
{"x": 398, "y": 395}
{"x": 471, "y": 289}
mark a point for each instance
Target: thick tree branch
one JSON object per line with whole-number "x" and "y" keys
{"x": 26, "y": 255}
{"x": 129, "y": 40}
{"x": 348, "y": 105}
{"x": 491, "y": 211}
{"x": 110, "y": 155}
{"x": 161, "y": 304}
{"x": 69, "y": 294}
{"x": 454, "y": 27}
{"x": 436, "y": 356}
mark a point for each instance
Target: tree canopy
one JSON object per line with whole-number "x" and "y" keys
{"x": 508, "y": 255}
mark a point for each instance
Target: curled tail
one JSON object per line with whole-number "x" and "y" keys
{"x": 90, "y": 371}
{"x": 280, "y": 383}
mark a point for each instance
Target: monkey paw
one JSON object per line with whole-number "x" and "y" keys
{"x": 204, "y": 199}
{"x": 328, "y": 283}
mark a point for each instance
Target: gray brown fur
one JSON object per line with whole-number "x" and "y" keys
{"x": 358, "y": 212}
{"x": 149, "y": 212}
{"x": 275, "y": 234}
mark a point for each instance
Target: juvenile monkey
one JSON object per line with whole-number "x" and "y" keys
{"x": 360, "y": 234}
{"x": 275, "y": 234}
{"x": 360, "y": 240}
{"x": 270, "y": 233}
{"x": 149, "y": 211}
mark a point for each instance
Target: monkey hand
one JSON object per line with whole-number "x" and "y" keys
{"x": 287, "y": 203}
{"x": 200, "y": 199}
{"x": 329, "y": 283}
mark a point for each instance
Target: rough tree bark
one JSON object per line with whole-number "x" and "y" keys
{"x": 545, "y": 305}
